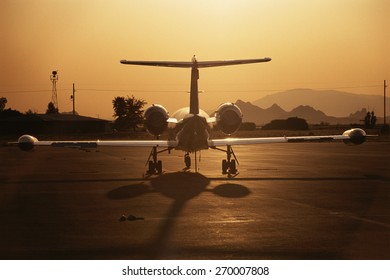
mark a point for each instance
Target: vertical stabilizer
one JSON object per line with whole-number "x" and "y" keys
{"x": 194, "y": 93}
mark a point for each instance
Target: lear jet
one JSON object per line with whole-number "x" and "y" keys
{"x": 190, "y": 128}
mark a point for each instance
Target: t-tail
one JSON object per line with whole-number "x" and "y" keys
{"x": 195, "y": 65}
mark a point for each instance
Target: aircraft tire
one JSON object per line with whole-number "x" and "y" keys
{"x": 187, "y": 161}
{"x": 233, "y": 168}
{"x": 224, "y": 166}
{"x": 151, "y": 167}
{"x": 159, "y": 167}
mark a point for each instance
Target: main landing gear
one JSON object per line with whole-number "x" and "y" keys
{"x": 154, "y": 165}
{"x": 229, "y": 165}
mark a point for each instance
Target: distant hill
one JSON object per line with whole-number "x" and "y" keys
{"x": 260, "y": 116}
{"x": 331, "y": 102}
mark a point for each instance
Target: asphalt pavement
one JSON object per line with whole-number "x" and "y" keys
{"x": 289, "y": 201}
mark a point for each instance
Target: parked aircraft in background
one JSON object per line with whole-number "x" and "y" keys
{"x": 190, "y": 127}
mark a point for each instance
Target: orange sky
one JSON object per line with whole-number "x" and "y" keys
{"x": 314, "y": 44}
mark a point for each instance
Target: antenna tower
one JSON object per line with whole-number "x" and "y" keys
{"x": 54, "y": 79}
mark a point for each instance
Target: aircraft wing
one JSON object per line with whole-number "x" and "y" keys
{"x": 27, "y": 142}
{"x": 354, "y": 136}
{"x": 268, "y": 140}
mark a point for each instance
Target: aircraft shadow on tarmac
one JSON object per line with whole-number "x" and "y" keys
{"x": 140, "y": 188}
{"x": 181, "y": 187}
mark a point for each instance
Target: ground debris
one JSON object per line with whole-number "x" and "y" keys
{"x": 130, "y": 217}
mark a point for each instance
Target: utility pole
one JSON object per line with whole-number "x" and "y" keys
{"x": 384, "y": 102}
{"x": 73, "y": 97}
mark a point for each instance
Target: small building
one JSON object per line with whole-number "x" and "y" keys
{"x": 54, "y": 124}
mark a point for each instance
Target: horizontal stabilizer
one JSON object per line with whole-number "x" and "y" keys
{"x": 159, "y": 63}
{"x": 203, "y": 64}
{"x": 194, "y": 62}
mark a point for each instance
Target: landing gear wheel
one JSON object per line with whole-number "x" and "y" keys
{"x": 159, "y": 167}
{"x": 225, "y": 166}
{"x": 229, "y": 167}
{"x": 232, "y": 167}
{"x": 151, "y": 167}
{"x": 154, "y": 167}
{"x": 187, "y": 161}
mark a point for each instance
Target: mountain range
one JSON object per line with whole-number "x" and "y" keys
{"x": 253, "y": 113}
{"x": 340, "y": 107}
{"x": 331, "y": 102}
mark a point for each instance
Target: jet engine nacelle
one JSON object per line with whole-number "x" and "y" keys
{"x": 356, "y": 136}
{"x": 155, "y": 119}
{"x": 228, "y": 118}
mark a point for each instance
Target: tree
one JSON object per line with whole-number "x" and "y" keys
{"x": 51, "y": 109}
{"x": 3, "y": 101}
{"x": 128, "y": 111}
{"x": 30, "y": 112}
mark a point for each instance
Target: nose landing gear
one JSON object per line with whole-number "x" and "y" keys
{"x": 187, "y": 161}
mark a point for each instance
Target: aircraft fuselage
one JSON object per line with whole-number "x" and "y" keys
{"x": 192, "y": 132}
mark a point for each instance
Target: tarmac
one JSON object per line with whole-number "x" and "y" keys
{"x": 297, "y": 201}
